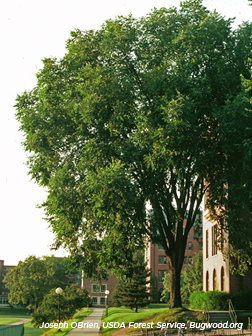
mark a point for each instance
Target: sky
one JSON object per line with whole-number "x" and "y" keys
{"x": 31, "y": 30}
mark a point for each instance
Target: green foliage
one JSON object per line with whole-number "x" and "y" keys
{"x": 192, "y": 277}
{"x": 141, "y": 111}
{"x": 71, "y": 299}
{"x": 165, "y": 296}
{"x": 242, "y": 300}
{"x": 31, "y": 279}
{"x": 215, "y": 300}
{"x": 191, "y": 280}
{"x": 131, "y": 291}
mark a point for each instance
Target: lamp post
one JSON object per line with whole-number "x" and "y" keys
{"x": 107, "y": 293}
{"x": 88, "y": 300}
{"x": 59, "y": 291}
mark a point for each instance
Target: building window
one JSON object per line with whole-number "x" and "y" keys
{"x": 162, "y": 260}
{"x": 103, "y": 288}
{"x": 185, "y": 260}
{"x": 160, "y": 247}
{"x": 104, "y": 275}
{"x": 190, "y": 260}
{"x": 214, "y": 239}
{"x": 94, "y": 289}
{"x": 214, "y": 280}
{"x": 102, "y": 300}
{"x": 207, "y": 243}
{"x": 161, "y": 274}
{"x": 99, "y": 288}
{"x": 222, "y": 279}
{"x": 3, "y": 300}
{"x": 207, "y": 281}
{"x": 190, "y": 246}
{"x": 94, "y": 300}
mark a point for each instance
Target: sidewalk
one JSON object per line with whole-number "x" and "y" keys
{"x": 94, "y": 317}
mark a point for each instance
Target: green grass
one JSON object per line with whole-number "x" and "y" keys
{"x": 4, "y": 320}
{"x": 15, "y": 312}
{"x": 29, "y": 330}
{"x": 163, "y": 315}
{"x": 127, "y": 315}
{"x": 158, "y": 305}
{"x": 79, "y": 316}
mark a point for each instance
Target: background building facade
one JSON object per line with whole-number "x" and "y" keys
{"x": 3, "y": 290}
{"x": 157, "y": 261}
{"x": 97, "y": 289}
{"x": 216, "y": 269}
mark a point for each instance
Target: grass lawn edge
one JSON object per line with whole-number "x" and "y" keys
{"x": 78, "y": 317}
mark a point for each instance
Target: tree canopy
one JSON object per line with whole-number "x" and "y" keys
{"x": 33, "y": 278}
{"x": 73, "y": 298}
{"x": 148, "y": 110}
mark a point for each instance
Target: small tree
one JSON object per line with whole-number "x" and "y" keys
{"x": 192, "y": 277}
{"x": 71, "y": 299}
{"x": 131, "y": 291}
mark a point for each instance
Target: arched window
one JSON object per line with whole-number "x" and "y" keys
{"x": 207, "y": 281}
{"x": 222, "y": 279}
{"x": 214, "y": 280}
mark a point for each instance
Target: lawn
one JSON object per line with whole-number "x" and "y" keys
{"x": 79, "y": 316}
{"x": 14, "y": 312}
{"x": 4, "y": 320}
{"x": 29, "y": 330}
{"x": 155, "y": 315}
{"x": 10, "y": 315}
{"x": 158, "y": 305}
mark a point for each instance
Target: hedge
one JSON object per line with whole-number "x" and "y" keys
{"x": 215, "y": 300}
{"x": 242, "y": 300}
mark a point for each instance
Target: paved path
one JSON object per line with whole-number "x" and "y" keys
{"x": 94, "y": 317}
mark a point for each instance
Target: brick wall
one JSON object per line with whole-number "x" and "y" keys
{"x": 100, "y": 294}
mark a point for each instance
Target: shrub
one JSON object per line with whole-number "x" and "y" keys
{"x": 242, "y": 300}
{"x": 196, "y": 300}
{"x": 215, "y": 300}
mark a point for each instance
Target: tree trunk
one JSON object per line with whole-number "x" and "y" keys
{"x": 175, "y": 295}
{"x": 136, "y": 306}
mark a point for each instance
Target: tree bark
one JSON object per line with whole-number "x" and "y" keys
{"x": 175, "y": 295}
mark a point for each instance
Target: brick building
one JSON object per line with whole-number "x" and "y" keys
{"x": 157, "y": 260}
{"x": 3, "y": 290}
{"x": 97, "y": 289}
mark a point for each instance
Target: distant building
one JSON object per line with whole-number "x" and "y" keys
{"x": 97, "y": 289}
{"x": 3, "y": 290}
